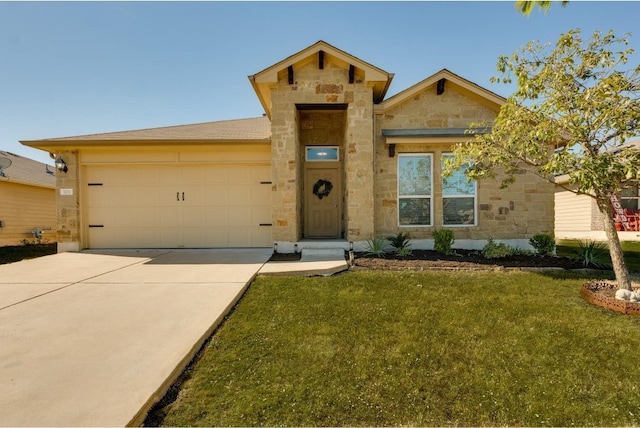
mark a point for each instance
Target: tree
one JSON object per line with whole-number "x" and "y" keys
{"x": 526, "y": 7}
{"x": 574, "y": 108}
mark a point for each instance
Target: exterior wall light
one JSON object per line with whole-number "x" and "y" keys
{"x": 61, "y": 165}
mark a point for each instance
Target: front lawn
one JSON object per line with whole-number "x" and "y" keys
{"x": 379, "y": 348}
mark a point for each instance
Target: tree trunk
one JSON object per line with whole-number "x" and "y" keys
{"x": 615, "y": 248}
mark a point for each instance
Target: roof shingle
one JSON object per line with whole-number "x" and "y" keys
{"x": 258, "y": 128}
{"x": 25, "y": 170}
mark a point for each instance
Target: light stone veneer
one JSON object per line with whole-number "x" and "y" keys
{"x": 515, "y": 213}
{"x": 327, "y": 86}
{"x": 369, "y": 174}
{"x": 68, "y": 206}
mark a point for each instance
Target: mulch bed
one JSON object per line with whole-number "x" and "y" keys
{"x": 461, "y": 260}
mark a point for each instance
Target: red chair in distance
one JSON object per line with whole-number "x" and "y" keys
{"x": 633, "y": 219}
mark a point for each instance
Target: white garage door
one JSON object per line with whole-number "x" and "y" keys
{"x": 199, "y": 206}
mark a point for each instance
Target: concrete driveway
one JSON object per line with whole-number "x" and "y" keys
{"x": 95, "y": 338}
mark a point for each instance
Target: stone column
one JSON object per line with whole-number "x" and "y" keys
{"x": 359, "y": 166}
{"x": 285, "y": 152}
{"x": 68, "y": 204}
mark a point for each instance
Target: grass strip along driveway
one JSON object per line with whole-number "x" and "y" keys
{"x": 418, "y": 349}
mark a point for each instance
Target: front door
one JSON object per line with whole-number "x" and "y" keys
{"x": 323, "y": 201}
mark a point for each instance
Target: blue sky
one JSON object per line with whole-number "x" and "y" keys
{"x": 91, "y": 67}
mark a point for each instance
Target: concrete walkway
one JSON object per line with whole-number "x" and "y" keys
{"x": 95, "y": 338}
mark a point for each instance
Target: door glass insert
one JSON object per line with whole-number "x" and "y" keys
{"x": 323, "y": 153}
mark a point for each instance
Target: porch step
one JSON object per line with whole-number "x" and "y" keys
{"x": 321, "y": 254}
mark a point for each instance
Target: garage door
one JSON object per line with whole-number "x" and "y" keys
{"x": 182, "y": 206}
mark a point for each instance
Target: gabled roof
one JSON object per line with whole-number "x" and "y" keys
{"x": 256, "y": 129}
{"x": 460, "y": 84}
{"x": 26, "y": 171}
{"x": 265, "y": 79}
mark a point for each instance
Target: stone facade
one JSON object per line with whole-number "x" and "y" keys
{"x": 323, "y": 96}
{"x": 517, "y": 212}
{"x": 68, "y": 204}
{"x": 326, "y": 88}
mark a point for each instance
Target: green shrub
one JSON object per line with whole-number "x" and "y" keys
{"x": 400, "y": 243}
{"x": 496, "y": 250}
{"x": 443, "y": 240}
{"x": 404, "y": 252}
{"x": 593, "y": 253}
{"x": 544, "y": 244}
{"x": 375, "y": 246}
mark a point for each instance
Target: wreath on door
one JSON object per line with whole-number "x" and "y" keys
{"x": 322, "y": 188}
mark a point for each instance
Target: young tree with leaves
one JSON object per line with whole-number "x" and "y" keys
{"x": 576, "y": 104}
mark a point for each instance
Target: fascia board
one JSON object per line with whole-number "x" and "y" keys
{"x": 427, "y": 140}
{"x": 432, "y": 80}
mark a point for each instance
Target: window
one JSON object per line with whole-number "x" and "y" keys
{"x": 458, "y": 198}
{"x": 323, "y": 153}
{"x": 414, "y": 189}
{"x": 630, "y": 199}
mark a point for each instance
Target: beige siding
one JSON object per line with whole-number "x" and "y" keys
{"x": 573, "y": 212}
{"x": 25, "y": 208}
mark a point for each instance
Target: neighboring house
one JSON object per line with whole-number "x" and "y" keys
{"x": 332, "y": 159}
{"x": 578, "y": 216}
{"x": 28, "y": 205}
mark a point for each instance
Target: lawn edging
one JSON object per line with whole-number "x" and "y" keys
{"x": 589, "y": 292}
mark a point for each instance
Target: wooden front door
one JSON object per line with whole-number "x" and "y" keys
{"x": 323, "y": 202}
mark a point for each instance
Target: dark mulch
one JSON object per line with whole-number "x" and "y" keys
{"x": 15, "y": 253}
{"x": 462, "y": 259}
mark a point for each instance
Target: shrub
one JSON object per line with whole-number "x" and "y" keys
{"x": 544, "y": 244}
{"x": 496, "y": 250}
{"x": 400, "y": 243}
{"x": 375, "y": 246}
{"x": 593, "y": 253}
{"x": 443, "y": 240}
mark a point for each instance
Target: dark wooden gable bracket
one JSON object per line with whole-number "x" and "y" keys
{"x": 290, "y": 73}
{"x": 352, "y": 73}
{"x": 392, "y": 150}
{"x": 321, "y": 60}
{"x": 440, "y": 86}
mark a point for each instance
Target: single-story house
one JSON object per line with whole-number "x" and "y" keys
{"x": 578, "y": 216}
{"x": 332, "y": 159}
{"x": 28, "y": 195}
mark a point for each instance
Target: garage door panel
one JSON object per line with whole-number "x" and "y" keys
{"x": 260, "y": 216}
{"x": 143, "y": 206}
{"x": 194, "y": 217}
{"x": 238, "y": 176}
{"x": 262, "y": 236}
{"x": 216, "y": 217}
{"x": 146, "y": 196}
{"x": 218, "y": 237}
{"x": 239, "y": 195}
{"x": 240, "y": 217}
{"x": 148, "y": 217}
{"x": 261, "y": 196}
{"x": 170, "y": 216}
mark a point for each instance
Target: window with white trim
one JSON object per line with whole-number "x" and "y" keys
{"x": 630, "y": 198}
{"x": 415, "y": 176}
{"x": 458, "y": 198}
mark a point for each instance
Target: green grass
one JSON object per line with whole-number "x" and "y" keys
{"x": 631, "y": 249}
{"x": 418, "y": 349}
{"x": 10, "y": 254}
